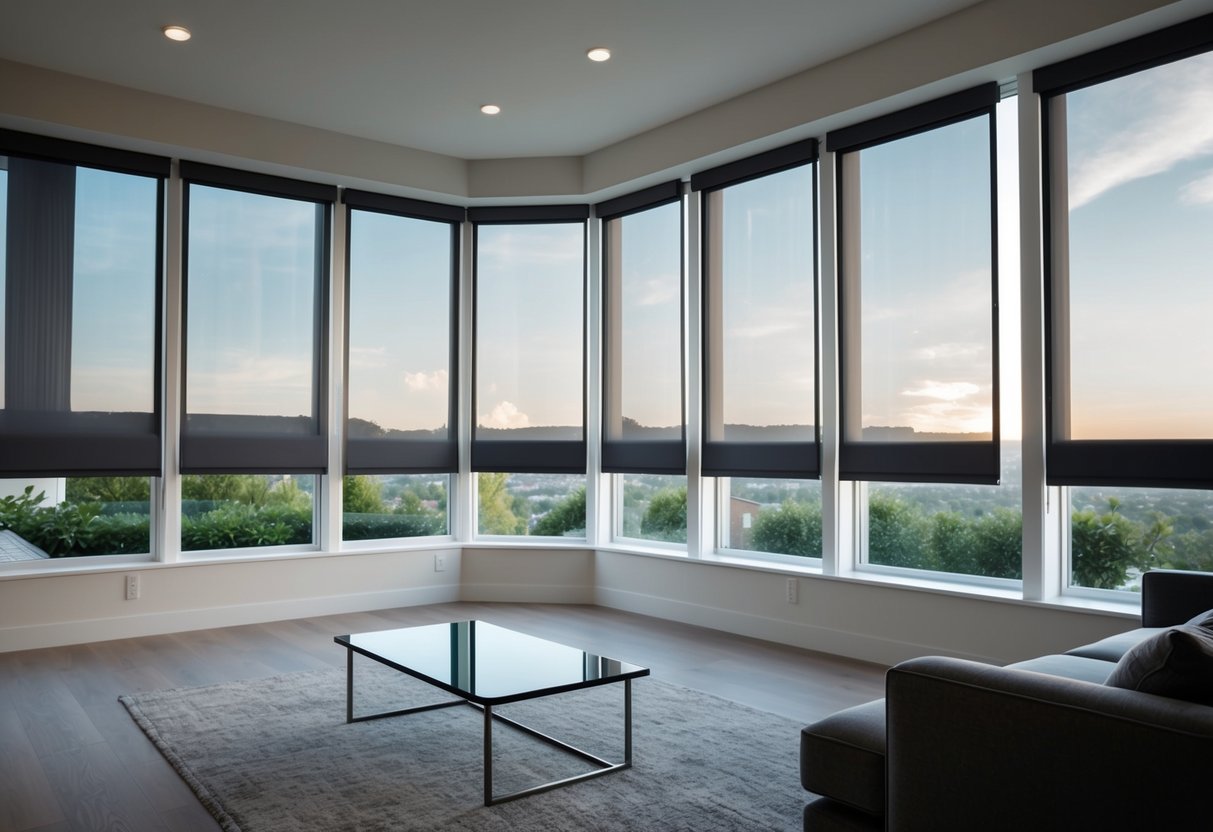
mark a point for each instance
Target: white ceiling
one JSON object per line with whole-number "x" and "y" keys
{"x": 415, "y": 72}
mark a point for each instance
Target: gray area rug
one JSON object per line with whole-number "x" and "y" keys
{"x": 275, "y": 754}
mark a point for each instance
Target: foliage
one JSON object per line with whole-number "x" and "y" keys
{"x": 566, "y": 518}
{"x": 380, "y": 526}
{"x": 1105, "y": 547}
{"x": 792, "y": 529}
{"x": 666, "y": 516}
{"x": 361, "y": 495}
{"x": 898, "y": 533}
{"x": 108, "y": 489}
{"x": 496, "y": 506}
{"x": 235, "y": 525}
{"x": 72, "y": 529}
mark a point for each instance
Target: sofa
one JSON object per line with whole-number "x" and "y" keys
{"x": 1083, "y": 740}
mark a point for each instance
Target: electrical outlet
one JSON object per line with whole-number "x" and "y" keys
{"x": 793, "y": 591}
{"x": 440, "y": 561}
{"x": 132, "y": 587}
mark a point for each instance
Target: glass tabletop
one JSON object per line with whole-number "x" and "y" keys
{"x": 488, "y": 664}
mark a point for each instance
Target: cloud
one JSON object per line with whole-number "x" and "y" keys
{"x": 763, "y": 330}
{"x": 368, "y": 357}
{"x": 944, "y": 391}
{"x": 950, "y": 417}
{"x": 1143, "y": 125}
{"x": 420, "y": 382}
{"x": 943, "y": 352}
{"x": 1199, "y": 191}
{"x": 504, "y": 415}
{"x": 658, "y": 290}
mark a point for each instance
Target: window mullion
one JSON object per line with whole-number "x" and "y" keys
{"x": 837, "y": 553}
{"x": 701, "y": 493}
{"x": 166, "y": 517}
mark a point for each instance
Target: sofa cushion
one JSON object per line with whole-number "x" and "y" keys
{"x": 1177, "y": 663}
{"x": 1069, "y": 667}
{"x": 1112, "y": 648}
{"x": 1204, "y": 619}
{"x": 842, "y": 756}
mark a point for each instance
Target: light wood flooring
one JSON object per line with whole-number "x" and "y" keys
{"x": 72, "y": 759}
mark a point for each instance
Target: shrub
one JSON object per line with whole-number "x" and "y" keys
{"x": 792, "y": 529}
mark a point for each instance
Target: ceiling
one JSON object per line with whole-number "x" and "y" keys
{"x": 415, "y": 72}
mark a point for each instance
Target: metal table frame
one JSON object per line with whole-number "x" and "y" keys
{"x": 603, "y": 766}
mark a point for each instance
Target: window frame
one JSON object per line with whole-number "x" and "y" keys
{"x": 961, "y": 462}
{"x": 624, "y": 456}
{"x": 54, "y": 443}
{"x": 1145, "y": 463}
{"x": 724, "y": 458}
{"x": 246, "y": 453}
{"x": 405, "y": 456}
{"x": 522, "y": 456}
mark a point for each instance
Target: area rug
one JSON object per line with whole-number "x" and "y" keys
{"x": 276, "y": 754}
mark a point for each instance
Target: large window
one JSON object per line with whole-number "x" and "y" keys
{"x": 1129, "y": 178}
{"x": 71, "y": 517}
{"x": 253, "y": 436}
{"x": 545, "y": 505}
{"x": 771, "y": 516}
{"x": 400, "y": 365}
{"x": 529, "y": 352}
{"x": 760, "y": 331}
{"x": 651, "y": 507}
{"x": 917, "y": 292}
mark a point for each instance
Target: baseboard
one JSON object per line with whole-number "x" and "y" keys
{"x": 58, "y": 634}
{"x": 796, "y": 634}
{"x": 527, "y": 593}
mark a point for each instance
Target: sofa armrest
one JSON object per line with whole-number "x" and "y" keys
{"x": 1172, "y": 596}
{"x": 974, "y": 746}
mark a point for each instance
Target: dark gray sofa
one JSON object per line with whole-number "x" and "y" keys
{"x": 1038, "y": 745}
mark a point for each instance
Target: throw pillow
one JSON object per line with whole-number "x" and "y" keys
{"x": 1177, "y": 663}
{"x": 1204, "y": 619}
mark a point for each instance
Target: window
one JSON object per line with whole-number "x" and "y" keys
{"x": 917, "y": 292}
{"x": 238, "y": 511}
{"x": 546, "y": 505}
{"x": 1128, "y": 140}
{"x": 256, "y": 268}
{"x": 401, "y": 366}
{"x": 71, "y": 517}
{"x": 652, "y": 507}
{"x": 643, "y": 428}
{"x": 771, "y": 516}
{"x": 529, "y": 353}
{"x": 760, "y": 314}
{"x": 80, "y": 287}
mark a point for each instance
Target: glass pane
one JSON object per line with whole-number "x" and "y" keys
{"x": 654, "y": 507}
{"x": 63, "y": 517}
{"x": 237, "y": 511}
{"x": 1139, "y": 178}
{"x": 551, "y": 505}
{"x": 251, "y": 334}
{"x": 399, "y": 327}
{"x": 761, "y": 333}
{"x": 1117, "y": 533}
{"x": 772, "y": 515}
{"x": 920, "y": 274}
{"x": 529, "y": 353}
{"x": 114, "y": 292}
{"x": 963, "y": 529}
{"x": 394, "y": 505}
{"x": 645, "y": 294}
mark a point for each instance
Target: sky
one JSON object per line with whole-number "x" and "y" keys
{"x": 1140, "y": 178}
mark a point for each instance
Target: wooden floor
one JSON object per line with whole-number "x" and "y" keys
{"x": 72, "y": 759}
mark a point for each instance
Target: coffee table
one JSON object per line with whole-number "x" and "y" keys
{"x": 485, "y": 666}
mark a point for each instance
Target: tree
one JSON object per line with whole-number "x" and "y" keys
{"x": 567, "y": 517}
{"x": 792, "y": 529}
{"x": 108, "y": 489}
{"x": 1105, "y": 547}
{"x": 666, "y": 517}
{"x": 496, "y": 510}
{"x": 362, "y": 495}
{"x": 897, "y": 533}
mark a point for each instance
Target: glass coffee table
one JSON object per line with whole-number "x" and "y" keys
{"x": 486, "y": 666}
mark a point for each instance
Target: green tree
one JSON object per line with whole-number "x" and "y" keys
{"x": 792, "y": 529}
{"x": 951, "y": 544}
{"x": 666, "y": 516}
{"x": 495, "y": 513}
{"x": 108, "y": 489}
{"x": 361, "y": 495}
{"x": 998, "y": 544}
{"x": 897, "y": 533}
{"x": 1105, "y": 547}
{"x": 568, "y": 517}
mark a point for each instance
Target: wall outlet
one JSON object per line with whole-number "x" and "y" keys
{"x": 440, "y": 561}
{"x": 793, "y": 589}
{"x": 132, "y": 587}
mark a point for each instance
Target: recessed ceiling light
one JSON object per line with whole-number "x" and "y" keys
{"x": 599, "y": 54}
{"x": 177, "y": 33}
{"x": 490, "y": 109}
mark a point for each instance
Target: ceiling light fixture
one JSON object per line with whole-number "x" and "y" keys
{"x": 599, "y": 54}
{"x": 177, "y": 33}
{"x": 490, "y": 109}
